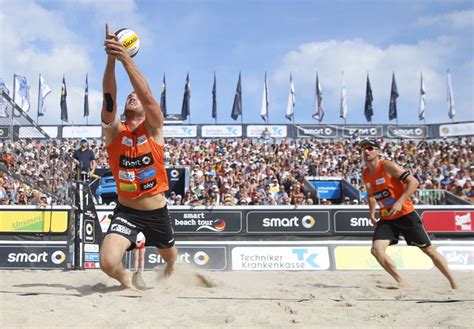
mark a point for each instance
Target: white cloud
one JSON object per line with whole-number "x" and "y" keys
{"x": 40, "y": 41}
{"x": 357, "y": 58}
{"x": 453, "y": 20}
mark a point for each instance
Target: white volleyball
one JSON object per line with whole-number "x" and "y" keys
{"x": 129, "y": 40}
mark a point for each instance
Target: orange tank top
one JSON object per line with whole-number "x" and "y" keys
{"x": 386, "y": 190}
{"x": 137, "y": 163}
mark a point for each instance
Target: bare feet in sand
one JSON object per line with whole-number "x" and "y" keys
{"x": 169, "y": 270}
{"x": 138, "y": 281}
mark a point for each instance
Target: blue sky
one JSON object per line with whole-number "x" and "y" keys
{"x": 278, "y": 37}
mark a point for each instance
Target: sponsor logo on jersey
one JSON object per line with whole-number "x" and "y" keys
{"x": 380, "y": 181}
{"x": 127, "y": 141}
{"x": 381, "y": 195}
{"x": 146, "y": 174}
{"x": 388, "y": 202}
{"x": 148, "y": 185}
{"x": 385, "y": 212}
{"x": 138, "y": 162}
{"x": 142, "y": 140}
{"x": 127, "y": 187}
{"x": 126, "y": 175}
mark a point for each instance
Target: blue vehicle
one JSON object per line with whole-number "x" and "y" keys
{"x": 107, "y": 190}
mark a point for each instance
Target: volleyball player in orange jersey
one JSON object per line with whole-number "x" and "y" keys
{"x": 136, "y": 157}
{"x": 391, "y": 187}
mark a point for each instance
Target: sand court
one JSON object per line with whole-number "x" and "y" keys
{"x": 213, "y": 299}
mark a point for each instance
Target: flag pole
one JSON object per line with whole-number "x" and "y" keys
{"x": 39, "y": 96}
{"x": 14, "y": 103}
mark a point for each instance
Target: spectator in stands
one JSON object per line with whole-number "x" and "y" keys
{"x": 248, "y": 159}
{"x": 139, "y": 253}
{"x": 86, "y": 157}
{"x": 297, "y": 196}
{"x": 281, "y": 194}
{"x": 22, "y": 198}
{"x": 178, "y": 200}
{"x": 43, "y": 201}
{"x": 172, "y": 198}
{"x": 4, "y": 197}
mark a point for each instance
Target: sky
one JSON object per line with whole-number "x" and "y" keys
{"x": 376, "y": 37}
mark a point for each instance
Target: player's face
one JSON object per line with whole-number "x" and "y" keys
{"x": 133, "y": 104}
{"x": 370, "y": 153}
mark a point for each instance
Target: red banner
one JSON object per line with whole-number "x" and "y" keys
{"x": 448, "y": 221}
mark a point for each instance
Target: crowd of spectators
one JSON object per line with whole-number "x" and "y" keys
{"x": 238, "y": 171}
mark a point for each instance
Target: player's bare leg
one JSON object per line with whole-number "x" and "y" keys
{"x": 440, "y": 263}
{"x": 111, "y": 253}
{"x": 169, "y": 256}
{"x": 379, "y": 251}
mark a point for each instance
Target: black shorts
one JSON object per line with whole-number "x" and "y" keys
{"x": 409, "y": 226}
{"x": 154, "y": 224}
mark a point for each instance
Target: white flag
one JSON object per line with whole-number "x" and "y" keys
{"x": 22, "y": 92}
{"x": 421, "y": 109}
{"x": 3, "y": 103}
{"x": 318, "y": 113}
{"x": 44, "y": 91}
{"x": 343, "y": 112}
{"x": 451, "y": 110}
{"x": 264, "y": 111}
{"x": 291, "y": 101}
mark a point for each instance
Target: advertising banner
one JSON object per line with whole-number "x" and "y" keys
{"x": 33, "y": 256}
{"x": 275, "y": 131}
{"x": 320, "y": 131}
{"x": 412, "y": 132}
{"x": 4, "y": 132}
{"x": 290, "y": 221}
{"x": 457, "y": 129}
{"x": 362, "y": 131}
{"x": 448, "y": 221}
{"x": 203, "y": 257}
{"x": 227, "y": 131}
{"x": 206, "y": 221}
{"x": 353, "y": 222}
{"x": 33, "y": 221}
{"x": 360, "y": 258}
{"x": 327, "y": 189}
{"x": 294, "y": 258}
{"x": 176, "y": 180}
{"x": 81, "y": 131}
{"x": 458, "y": 257}
{"x": 180, "y": 131}
{"x": 30, "y": 132}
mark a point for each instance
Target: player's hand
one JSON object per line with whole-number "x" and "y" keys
{"x": 109, "y": 35}
{"x": 114, "y": 48}
{"x": 111, "y": 43}
{"x": 373, "y": 220}
{"x": 397, "y": 207}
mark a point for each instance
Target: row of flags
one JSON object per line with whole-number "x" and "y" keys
{"x": 21, "y": 96}
{"x": 318, "y": 111}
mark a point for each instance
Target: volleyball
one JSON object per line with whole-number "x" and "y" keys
{"x": 129, "y": 40}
